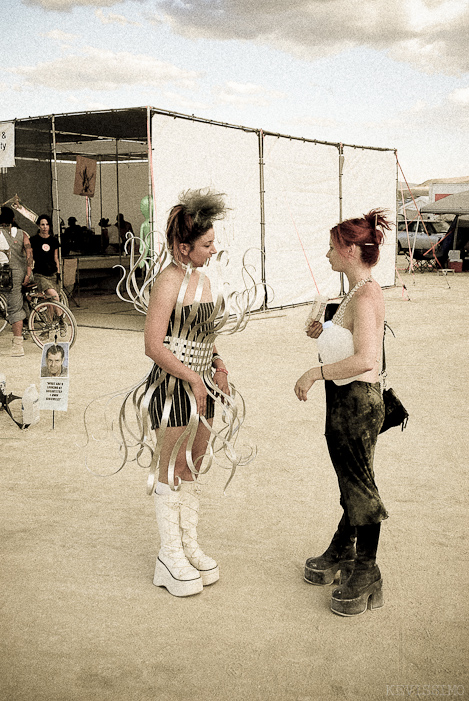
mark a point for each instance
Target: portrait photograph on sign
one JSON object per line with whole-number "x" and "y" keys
{"x": 53, "y": 393}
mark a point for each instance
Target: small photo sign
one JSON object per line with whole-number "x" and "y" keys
{"x": 53, "y": 392}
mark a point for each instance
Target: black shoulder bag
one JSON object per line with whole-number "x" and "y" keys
{"x": 395, "y": 412}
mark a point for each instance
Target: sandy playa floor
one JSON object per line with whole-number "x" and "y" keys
{"x": 81, "y": 619}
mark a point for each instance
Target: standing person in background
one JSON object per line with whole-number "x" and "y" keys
{"x": 20, "y": 257}
{"x": 71, "y": 240}
{"x": 350, "y": 348}
{"x": 46, "y": 263}
{"x": 104, "y": 225}
{"x": 124, "y": 227}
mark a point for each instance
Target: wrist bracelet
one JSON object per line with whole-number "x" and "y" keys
{"x": 322, "y": 373}
{"x": 221, "y": 370}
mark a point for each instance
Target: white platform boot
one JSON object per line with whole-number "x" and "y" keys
{"x": 207, "y": 566}
{"x": 172, "y": 569}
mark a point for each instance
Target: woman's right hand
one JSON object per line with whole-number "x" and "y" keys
{"x": 314, "y": 330}
{"x": 200, "y": 393}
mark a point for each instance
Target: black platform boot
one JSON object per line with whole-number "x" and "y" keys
{"x": 364, "y": 588}
{"x": 339, "y": 556}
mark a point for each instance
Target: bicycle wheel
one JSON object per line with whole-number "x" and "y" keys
{"x": 3, "y": 312}
{"x": 47, "y": 326}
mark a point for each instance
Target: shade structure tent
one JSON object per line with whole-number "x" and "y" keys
{"x": 457, "y": 204}
{"x": 284, "y": 193}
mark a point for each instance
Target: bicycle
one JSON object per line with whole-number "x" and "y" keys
{"x": 45, "y": 323}
{"x": 3, "y": 312}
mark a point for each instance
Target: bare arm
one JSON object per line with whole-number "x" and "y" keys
{"x": 56, "y": 259}
{"x": 29, "y": 257}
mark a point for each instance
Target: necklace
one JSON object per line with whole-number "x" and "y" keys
{"x": 180, "y": 264}
{"x": 339, "y": 315}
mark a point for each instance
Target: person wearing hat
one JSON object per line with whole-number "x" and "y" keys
{"x": 71, "y": 239}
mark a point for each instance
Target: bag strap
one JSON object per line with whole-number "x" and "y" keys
{"x": 383, "y": 369}
{"x": 5, "y": 400}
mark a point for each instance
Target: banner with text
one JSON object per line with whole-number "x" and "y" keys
{"x": 7, "y": 144}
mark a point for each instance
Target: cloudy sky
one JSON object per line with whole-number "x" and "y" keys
{"x": 390, "y": 73}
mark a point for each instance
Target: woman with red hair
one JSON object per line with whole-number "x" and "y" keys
{"x": 350, "y": 351}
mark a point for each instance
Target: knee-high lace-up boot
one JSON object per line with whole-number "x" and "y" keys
{"x": 207, "y": 566}
{"x": 173, "y": 570}
{"x": 339, "y": 556}
{"x": 364, "y": 588}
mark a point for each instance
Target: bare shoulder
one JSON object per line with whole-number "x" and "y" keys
{"x": 168, "y": 281}
{"x": 371, "y": 292}
{"x": 370, "y": 300}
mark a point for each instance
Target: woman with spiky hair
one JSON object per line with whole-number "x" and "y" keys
{"x": 187, "y": 378}
{"x": 350, "y": 349}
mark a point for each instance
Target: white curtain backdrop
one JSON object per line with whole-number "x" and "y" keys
{"x": 301, "y": 205}
{"x": 301, "y": 199}
{"x": 369, "y": 182}
{"x": 189, "y": 154}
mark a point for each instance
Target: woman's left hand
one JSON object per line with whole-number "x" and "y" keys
{"x": 303, "y": 385}
{"x": 314, "y": 330}
{"x": 221, "y": 381}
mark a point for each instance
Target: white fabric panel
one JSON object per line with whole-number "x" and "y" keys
{"x": 188, "y": 155}
{"x": 369, "y": 182}
{"x": 301, "y": 206}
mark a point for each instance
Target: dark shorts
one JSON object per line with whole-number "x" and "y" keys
{"x": 354, "y": 416}
{"x": 46, "y": 282}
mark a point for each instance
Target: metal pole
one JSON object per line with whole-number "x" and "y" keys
{"x": 260, "y": 137}
{"x": 117, "y": 197}
{"x": 455, "y": 237}
{"x": 341, "y": 172}
{"x": 55, "y": 197}
{"x": 150, "y": 189}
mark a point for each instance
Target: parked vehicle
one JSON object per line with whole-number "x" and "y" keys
{"x": 423, "y": 240}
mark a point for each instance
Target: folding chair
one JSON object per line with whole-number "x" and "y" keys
{"x": 419, "y": 261}
{"x": 70, "y": 278}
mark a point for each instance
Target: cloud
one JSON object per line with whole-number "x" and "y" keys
{"x": 111, "y": 18}
{"x": 451, "y": 116}
{"x": 60, "y": 36}
{"x": 68, "y": 5}
{"x": 186, "y": 104}
{"x": 100, "y": 69}
{"x": 429, "y": 34}
{"x": 244, "y": 94}
{"x": 460, "y": 96}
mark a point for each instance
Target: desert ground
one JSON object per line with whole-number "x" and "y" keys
{"x": 81, "y": 619}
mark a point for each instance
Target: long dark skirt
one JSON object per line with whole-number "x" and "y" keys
{"x": 354, "y": 416}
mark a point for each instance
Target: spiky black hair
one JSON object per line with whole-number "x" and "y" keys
{"x": 204, "y": 206}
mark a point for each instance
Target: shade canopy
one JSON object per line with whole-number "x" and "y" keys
{"x": 453, "y": 204}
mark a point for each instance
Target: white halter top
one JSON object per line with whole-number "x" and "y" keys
{"x": 336, "y": 342}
